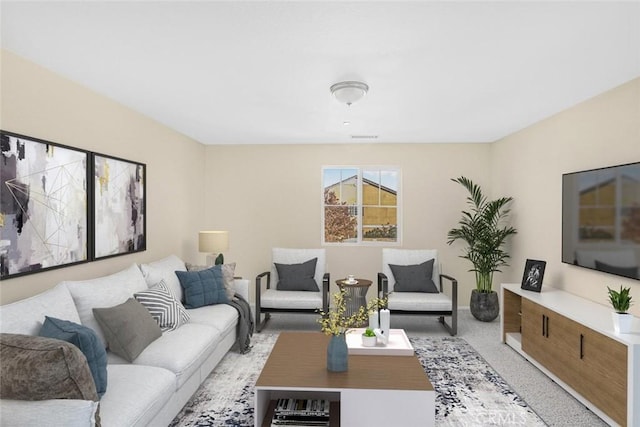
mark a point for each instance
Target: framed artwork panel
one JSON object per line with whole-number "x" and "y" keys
{"x": 119, "y": 206}
{"x": 44, "y": 208}
{"x": 533, "y": 275}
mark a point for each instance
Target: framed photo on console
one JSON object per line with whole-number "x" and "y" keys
{"x": 533, "y": 274}
{"x": 119, "y": 206}
{"x": 44, "y": 208}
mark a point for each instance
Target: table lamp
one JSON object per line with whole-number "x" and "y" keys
{"x": 213, "y": 243}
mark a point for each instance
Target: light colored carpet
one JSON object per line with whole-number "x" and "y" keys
{"x": 554, "y": 405}
{"x": 468, "y": 391}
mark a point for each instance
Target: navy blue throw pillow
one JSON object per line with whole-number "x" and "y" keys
{"x": 86, "y": 340}
{"x": 204, "y": 287}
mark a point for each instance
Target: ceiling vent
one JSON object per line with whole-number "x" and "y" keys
{"x": 364, "y": 136}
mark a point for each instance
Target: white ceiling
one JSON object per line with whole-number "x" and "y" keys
{"x": 259, "y": 72}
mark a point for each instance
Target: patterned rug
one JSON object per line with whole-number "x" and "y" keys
{"x": 468, "y": 391}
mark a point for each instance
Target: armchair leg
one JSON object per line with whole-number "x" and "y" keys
{"x": 453, "y": 327}
{"x": 259, "y": 322}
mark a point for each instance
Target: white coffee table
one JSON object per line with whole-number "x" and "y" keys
{"x": 396, "y": 387}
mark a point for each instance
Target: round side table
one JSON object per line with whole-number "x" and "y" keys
{"x": 356, "y": 294}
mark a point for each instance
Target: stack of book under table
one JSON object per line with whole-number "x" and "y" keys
{"x": 301, "y": 413}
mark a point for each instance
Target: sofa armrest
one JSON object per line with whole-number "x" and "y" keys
{"x": 241, "y": 286}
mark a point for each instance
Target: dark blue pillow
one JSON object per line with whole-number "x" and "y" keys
{"x": 204, "y": 287}
{"x": 86, "y": 340}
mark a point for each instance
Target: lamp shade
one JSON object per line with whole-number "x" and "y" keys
{"x": 213, "y": 241}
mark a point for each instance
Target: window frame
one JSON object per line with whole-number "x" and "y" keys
{"x": 359, "y": 206}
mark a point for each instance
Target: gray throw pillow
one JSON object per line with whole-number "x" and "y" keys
{"x": 128, "y": 327}
{"x": 414, "y": 278}
{"x": 86, "y": 340}
{"x": 297, "y": 277}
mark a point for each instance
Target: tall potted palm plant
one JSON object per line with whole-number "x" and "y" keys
{"x": 482, "y": 229}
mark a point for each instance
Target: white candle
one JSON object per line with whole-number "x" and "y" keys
{"x": 385, "y": 321}
{"x": 373, "y": 320}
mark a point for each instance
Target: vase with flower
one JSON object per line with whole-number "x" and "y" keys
{"x": 335, "y": 322}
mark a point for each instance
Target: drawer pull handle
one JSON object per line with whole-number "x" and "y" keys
{"x": 545, "y": 325}
{"x": 581, "y": 346}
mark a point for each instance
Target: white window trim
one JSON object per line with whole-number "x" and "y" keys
{"x": 361, "y": 242}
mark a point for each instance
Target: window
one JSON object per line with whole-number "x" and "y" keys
{"x": 360, "y": 205}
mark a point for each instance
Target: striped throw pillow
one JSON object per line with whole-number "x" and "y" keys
{"x": 164, "y": 308}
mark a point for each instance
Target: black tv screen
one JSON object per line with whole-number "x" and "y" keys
{"x": 601, "y": 219}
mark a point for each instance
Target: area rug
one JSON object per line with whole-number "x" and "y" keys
{"x": 468, "y": 391}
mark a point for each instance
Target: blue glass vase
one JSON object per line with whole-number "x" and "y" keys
{"x": 337, "y": 354}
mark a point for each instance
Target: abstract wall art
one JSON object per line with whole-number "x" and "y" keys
{"x": 119, "y": 206}
{"x": 44, "y": 207}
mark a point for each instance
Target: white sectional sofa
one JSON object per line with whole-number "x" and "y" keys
{"x": 152, "y": 389}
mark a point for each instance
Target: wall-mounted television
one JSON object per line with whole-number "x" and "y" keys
{"x": 601, "y": 219}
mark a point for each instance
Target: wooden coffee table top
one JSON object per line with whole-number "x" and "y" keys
{"x": 299, "y": 360}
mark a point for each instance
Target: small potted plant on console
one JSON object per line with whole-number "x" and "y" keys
{"x": 621, "y": 301}
{"x": 369, "y": 338}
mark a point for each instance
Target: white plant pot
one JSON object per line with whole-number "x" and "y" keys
{"x": 369, "y": 341}
{"x": 622, "y": 322}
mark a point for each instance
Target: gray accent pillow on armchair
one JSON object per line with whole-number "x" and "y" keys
{"x": 297, "y": 277}
{"x": 414, "y": 278}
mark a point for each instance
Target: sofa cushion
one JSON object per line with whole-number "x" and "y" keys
{"x": 165, "y": 269}
{"x": 57, "y": 412}
{"x": 136, "y": 394}
{"x": 414, "y": 278}
{"x": 297, "y": 277}
{"x": 86, "y": 340}
{"x": 181, "y": 351}
{"x": 26, "y": 316}
{"x": 222, "y": 317}
{"x": 106, "y": 291}
{"x": 40, "y": 368}
{"x": 128, "y": 327}
{"x": 167, "y": 311}
{"x": 202, "y": 288}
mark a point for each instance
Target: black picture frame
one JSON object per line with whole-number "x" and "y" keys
{"x": 533, "y": 275}
{"x": 45, "y": 219}
{"x": 118, "y": 206}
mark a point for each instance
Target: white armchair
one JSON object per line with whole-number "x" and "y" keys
{"x": 411, "y": 292}
{"x": 295, "y": 291}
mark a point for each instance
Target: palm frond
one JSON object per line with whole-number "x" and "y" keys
{"x": 482, "y": 229}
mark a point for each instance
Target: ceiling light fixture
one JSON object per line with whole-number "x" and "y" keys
{"x": 349, "y": 92}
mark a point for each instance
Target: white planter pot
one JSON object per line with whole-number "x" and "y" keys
{"x": 369, "y": 341}
{"x": 622, "y": 322}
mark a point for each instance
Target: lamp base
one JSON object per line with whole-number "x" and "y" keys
{"x": 215, "y": 259}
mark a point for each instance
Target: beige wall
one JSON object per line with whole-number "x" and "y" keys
{"x": 243, "y": 195}
{"x": 528, "y": 165}
{"x": 39, "y": 103}
{"x": 239, "y": 189}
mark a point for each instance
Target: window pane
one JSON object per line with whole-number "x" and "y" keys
{"x": 342, "y": 183}
{"x": 374, "y": 215}
{"x": 339, "y": 224}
